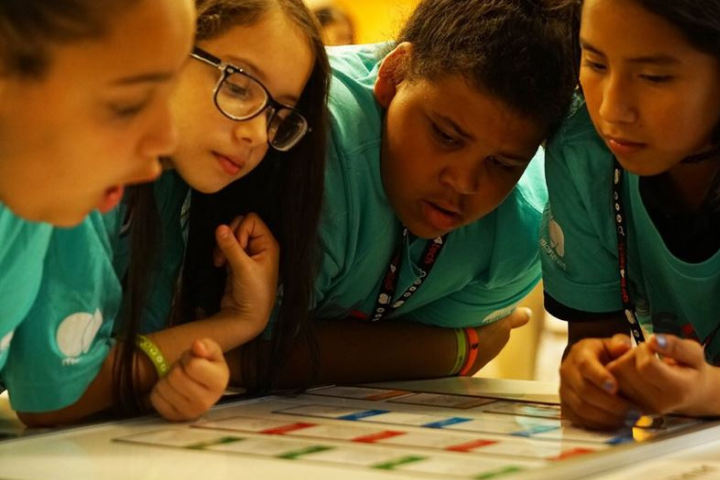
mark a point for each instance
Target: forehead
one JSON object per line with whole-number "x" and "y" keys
{"x": 482, "y": 115}
{"x": 149, "y": 37}
{"x": 643, "y": 32}
{"x": 274, "y": 49}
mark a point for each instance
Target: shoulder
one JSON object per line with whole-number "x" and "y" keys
{"x": 352, "y": 169}
{"x": 577, "y": 148}
{"x": 355, "y": 115}
{"x": 519, "y": 215}
{"x": 21, "y": 240}
{"x": 530, "y": 193}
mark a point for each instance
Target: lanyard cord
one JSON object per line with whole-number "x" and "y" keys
{"x": 622, "y": 232}
{"x": 384, "y": 304}
{"x": 622, "y": 245}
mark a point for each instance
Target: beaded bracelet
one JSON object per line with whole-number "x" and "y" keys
{"x": 153, "y": 353}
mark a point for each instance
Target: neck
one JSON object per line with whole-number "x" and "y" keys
{"x": 689, "y": 182}
{"x": 166, "y": 164}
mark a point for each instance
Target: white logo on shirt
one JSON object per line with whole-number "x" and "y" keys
{"x": 76, "y": 333}
{"x": 498, "y": 314}
{"x": 5, "y": 342}
{"x": 557, "y": 238}
{"x": 555, "y": 248}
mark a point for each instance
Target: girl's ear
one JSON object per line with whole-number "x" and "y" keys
{"x": 392, "y": 72}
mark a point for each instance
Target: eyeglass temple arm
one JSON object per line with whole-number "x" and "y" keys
{"x": 205, "y": 57}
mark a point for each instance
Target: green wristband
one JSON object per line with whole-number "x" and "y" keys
{"x": 461, "y": 351}
{"x": 154, "y": 354}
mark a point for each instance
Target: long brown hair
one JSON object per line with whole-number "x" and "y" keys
{"x": 286, "y": 190}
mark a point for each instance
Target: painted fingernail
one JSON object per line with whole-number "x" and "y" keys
{"x": 608, "y": 386}
{"x": 661, "y": 341}
{"x": 632, "y": 417}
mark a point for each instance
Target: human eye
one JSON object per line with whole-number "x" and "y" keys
{"x": 657, "y": 79}
{"x": 593, "y": 65}
{"x": 444, "y": 138}
{"x": 127, "y": 110}
{"x": 236, "y": 90}
{"x": 500, "y": 163}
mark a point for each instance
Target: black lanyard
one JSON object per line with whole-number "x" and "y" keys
{"x": 384, "y": 304}
{"x": 622, "y": 232}
{"x": 622, "y": 246}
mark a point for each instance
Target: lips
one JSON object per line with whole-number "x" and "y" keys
{"x": 114, "y": 195}
{"x": 230, "y": 165}
{"x": 442, "y": 216}
{"x": 447, "y": 206}
{"x": 622, "y": 146}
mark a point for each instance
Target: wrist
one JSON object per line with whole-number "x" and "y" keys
{"x": 241, "y": 325}
{"x": 471, "y": 347}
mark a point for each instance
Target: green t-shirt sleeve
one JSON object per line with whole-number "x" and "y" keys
{"x": 23, "y": 246}
{"x": 334, "y": 224}
{"x": 577, "y": 251}
{"x": 61, "y": 346}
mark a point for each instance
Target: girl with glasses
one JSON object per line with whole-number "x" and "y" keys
{"x": 253, "y": 88}
{"x": 429, "y": 230}
{"x": 632, "y": 231}
{"x": 83, "y": 111}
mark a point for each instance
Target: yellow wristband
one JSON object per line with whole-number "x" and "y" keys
{"x": 461, "y": 351}
{"x": 153, "y": 353}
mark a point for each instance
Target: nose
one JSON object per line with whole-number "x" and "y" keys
{"x": 253, "y": 131}
{"x": 161, "y": 137}
{"x": 617, "y": 103}
{"x": 462, "y": 177}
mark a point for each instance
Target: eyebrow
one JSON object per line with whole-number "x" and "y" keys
{"x": 257, "y": 72}
{"x": 649, "y": 59}
{"x": 155, "y": 77}
{"x": 450, "y": 123}
{"x": 518, "y": 160}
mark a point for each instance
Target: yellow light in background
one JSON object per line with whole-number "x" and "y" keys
{"x": 376, "y": 20}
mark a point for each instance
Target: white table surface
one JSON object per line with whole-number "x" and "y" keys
{"x": 89, "y": 453}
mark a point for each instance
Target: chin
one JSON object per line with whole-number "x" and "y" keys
{"x": 642, "y": 169}
{"x": 424, "y": 231}
{"x": 209, "y": 186}
{"x": 66, "y": 220}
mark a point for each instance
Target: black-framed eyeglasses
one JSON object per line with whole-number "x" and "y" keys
{"x": 240, "y": 96}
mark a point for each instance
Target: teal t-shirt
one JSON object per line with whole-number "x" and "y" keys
{"x": 171, "y": 194}
{"x": 485, "y": 268}
{"x": 579, "y": 244}
{"x": 63, "y": 341}
{"x": 23, "y": 245}
{"x": 69, "y": 331}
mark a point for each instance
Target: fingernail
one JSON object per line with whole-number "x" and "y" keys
{"x": 609, "y": 386}
{"x": 632, "y": 417}
{"x": 661, "y": 341}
